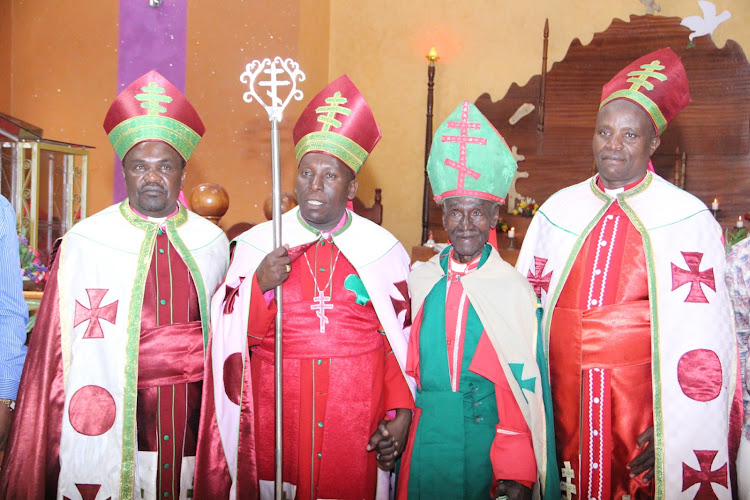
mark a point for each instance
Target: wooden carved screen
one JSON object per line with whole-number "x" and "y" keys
{"x": 710, "y": 136}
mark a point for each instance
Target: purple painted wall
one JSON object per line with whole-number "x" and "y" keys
{"x": 150, "y": 38}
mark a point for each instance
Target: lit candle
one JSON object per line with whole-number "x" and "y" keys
{"x": 432, "y": 55}
{"x": 715, "y": 205}
{"x": 512, "y": 232}
{"x": 740, "y": 222}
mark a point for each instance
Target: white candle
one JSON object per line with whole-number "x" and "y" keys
{"x": 512, "y": 232}
{"x": 740, "y": 223}
{"x": 715, "y": 205}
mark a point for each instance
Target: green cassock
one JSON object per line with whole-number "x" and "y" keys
{"x": 456, "y": 429}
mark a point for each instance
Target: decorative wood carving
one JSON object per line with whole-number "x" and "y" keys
{"x": 705, "y": 150}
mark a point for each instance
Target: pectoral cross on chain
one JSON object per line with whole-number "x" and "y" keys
{"x": 320, "y": 307}
{"x": 568, "y": 488}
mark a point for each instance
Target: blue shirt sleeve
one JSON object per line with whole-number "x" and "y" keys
{"x": 13, "y": 311}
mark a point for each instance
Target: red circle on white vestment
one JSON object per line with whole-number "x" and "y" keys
{"x": 699, "y": 374}
{"x": 233, "y": 377}
{"x": 92, "y": 410}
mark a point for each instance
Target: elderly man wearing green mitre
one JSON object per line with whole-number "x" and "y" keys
{"x": 110, "y": 396}
{"x": 480, "y": 427}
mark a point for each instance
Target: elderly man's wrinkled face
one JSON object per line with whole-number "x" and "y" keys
{"x": 624, "y": 140}
{"x": 468, "y": 221}
{"x": 154, "y": 173}
{"x": 323, "y": 186}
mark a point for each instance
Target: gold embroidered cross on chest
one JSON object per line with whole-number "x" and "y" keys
{"x": 463, "y": 139}
{"x": 321, "y": 301}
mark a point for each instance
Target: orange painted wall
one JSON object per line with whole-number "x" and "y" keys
{"x": 6, "y": 37}
{"x": 62, "y": 76}
{"x": 235, "y": 152}
{"x": 485, "y": 46}
{"x": 59, "y": 71}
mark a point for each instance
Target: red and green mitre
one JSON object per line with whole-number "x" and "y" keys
{"x": 152, "y": 109}
{"x": 656, "y": 82}
{"x": 470, "y": 158}
{"x": 338, "y": 122}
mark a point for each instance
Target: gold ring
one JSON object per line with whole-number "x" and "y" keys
{"x": 288, "y": 268}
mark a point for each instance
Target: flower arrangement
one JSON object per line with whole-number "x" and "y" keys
{"x": 502, "y": 225}
{"x": 527, "y": 207}
{"x": 31, "y": 264}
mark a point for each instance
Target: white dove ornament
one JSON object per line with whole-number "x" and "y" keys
{"x": 707, "y": 24}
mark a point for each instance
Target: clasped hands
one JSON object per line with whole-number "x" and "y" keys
{"x": 389, "y": 439}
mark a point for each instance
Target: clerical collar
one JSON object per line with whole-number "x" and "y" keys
{"x": 327, "y": 234}
{"x": 456, "y": 267}
{"x": 158, "y": 220}
{"x": 616, "y": 191}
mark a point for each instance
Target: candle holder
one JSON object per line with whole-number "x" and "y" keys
{"x": 426, "y": 193}
{"x": 511, "y": 243}
{"x": 715, "y": 212}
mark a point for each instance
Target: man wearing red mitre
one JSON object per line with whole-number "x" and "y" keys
{"x": 109, "y": 399}
{"x": 630, "y": 272}
{"x": 345, "y": 329}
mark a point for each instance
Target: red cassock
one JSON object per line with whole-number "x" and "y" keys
{"x": 600, "y": 361}
{"x": 338, "y": 384}
{"x": 170, "y": 370}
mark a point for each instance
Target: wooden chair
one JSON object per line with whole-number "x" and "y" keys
{"x": 237, "y": 229}
{"x": 374, "y": 213}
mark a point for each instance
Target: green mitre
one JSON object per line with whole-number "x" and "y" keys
{"x": 470, "y": 158}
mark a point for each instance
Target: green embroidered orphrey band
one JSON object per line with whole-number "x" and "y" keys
{"x": 335, "y": 144}
{"x": 204, "y": 301}
{"x": 129, "y": 445}
{"x": 657, "y": 383}
{"x": 153, "y": 127}
{"x": 126, "y": 211}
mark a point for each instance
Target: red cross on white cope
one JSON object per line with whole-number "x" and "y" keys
{"x": 705, "y": 476}
{"x": 694, "y": 276}
{"x": 96, "y": 313}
